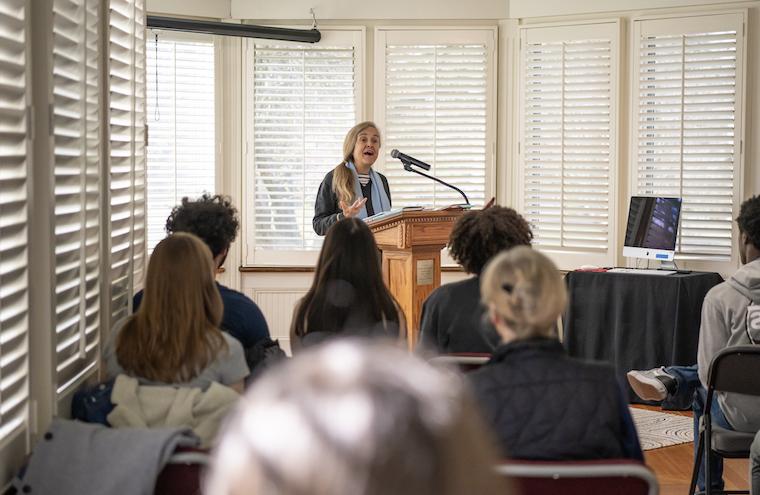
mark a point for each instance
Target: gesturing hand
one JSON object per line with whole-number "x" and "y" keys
{"x": 352, "y": 210}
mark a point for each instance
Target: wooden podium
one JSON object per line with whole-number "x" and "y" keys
{"x": 411, "y": 242}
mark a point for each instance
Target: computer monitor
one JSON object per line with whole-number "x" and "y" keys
{"x": 652, "y": 228}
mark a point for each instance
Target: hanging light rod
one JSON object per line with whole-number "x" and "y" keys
{"x": 243, "y": 30}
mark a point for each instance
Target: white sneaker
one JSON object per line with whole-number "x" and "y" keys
{"x": 654, "y": 384}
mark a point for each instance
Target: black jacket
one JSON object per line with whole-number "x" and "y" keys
{"x": 454, "y": 320}
{"x": 545, "y": 405}
{"x": 326, "y": 206}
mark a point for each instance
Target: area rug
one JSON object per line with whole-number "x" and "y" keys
{"x": 658, "y": 429}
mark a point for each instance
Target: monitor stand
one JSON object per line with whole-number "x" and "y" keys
{"x": 668, "y": 265}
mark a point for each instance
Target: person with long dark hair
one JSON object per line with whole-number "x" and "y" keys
{"x": 353, "y": 188}
{"x": 348, "y": 295}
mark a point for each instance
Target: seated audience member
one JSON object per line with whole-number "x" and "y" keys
{"x": 452, "y": 316}
{"x": 348, "y": 295}
{"x": 725, "y": 313}
{"x": 351, "y": 418}
{"x": 543, "y": 404}
{"x": 174, "y": 337}
{"x": 213, "y": 219}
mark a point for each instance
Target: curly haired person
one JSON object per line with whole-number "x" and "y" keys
{"x": 453, "y": 316}
{"x": 214, "y": 220}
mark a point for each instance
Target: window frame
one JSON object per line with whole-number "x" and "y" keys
{"x": 697, "y": 262}
{"x": 570, "y": 259}
{"x": 181, "y": 36}
{"x": 335, "y": 35}
{"x": 443, "y": 35}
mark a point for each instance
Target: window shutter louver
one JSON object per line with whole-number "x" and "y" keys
{"x": 181, "y": 157}
{"x": 76, "y": 140}
{"x": 14, "y": 283}
{"x": 687, "y": 124}
{"x": 568, "y": 153}
{"x": 436, "y": 96}
{"x": 304, "y": 101}
{"x": 127, "y": 157}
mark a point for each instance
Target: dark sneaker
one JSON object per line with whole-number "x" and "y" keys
{"x": 654, "y": 384}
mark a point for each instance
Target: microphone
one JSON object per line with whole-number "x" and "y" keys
{"x": 410, "y": 160}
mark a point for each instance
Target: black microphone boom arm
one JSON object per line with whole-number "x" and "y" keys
{"x": 408, "y": 168}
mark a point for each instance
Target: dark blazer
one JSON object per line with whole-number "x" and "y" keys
{"x": 326, "y": 206}
{"x": 453, "y": 320}
{"x": 545, "y": 405}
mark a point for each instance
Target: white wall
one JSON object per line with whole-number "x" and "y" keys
{"x": 520, "y": 9}
{"x": 386, "y": 9}
{"x": 191, "y": 8}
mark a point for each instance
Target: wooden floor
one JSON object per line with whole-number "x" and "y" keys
{"x": 672, "y": 465}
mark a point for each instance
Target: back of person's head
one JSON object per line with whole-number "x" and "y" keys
{"x": 212, "y": 218}
{"x": 481, "y": 234}
{"x": 749, "y": 220}
{"x": 347, "y": 280}
{"x": 346, "y": 419}
{"x": 175, "y": 332}
{"x": 524, "y": 289}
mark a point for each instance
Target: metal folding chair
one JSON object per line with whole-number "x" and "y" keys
{"x": 734, "y": 370}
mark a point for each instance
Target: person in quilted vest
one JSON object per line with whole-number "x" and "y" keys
{"x": 541, "y": 403}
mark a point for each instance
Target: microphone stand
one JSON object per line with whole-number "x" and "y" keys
{"x": 408, "y": 168}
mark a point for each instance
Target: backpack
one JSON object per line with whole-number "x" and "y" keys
{"x": 261, "y": 356}
{"x": 93, "y": 404}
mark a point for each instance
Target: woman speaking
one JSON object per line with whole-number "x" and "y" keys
{"x": 353, "y": 189}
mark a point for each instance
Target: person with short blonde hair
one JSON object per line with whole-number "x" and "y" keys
{"x": 543, "y": 404}
{"x": 349, "y": 418}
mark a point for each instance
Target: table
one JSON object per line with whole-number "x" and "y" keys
{"x": 635, "y": 321}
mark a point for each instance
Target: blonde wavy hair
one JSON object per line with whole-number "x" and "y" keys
{"x": 525, "y": 289}
{"x": 343, "y": 179}
{"x": 175, "y": 334}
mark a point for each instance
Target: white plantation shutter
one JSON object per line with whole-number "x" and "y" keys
{"x": 180, "y": 93}
{"x": 687, "y": 116}
{"x": 127, "y": 144}
{"x": 302, "y": 100}
{"x": 76, "y": 156}
{"x": 436, "y": 97}
{"x": 14, "y": 172}
{"x": 568, "y": 149}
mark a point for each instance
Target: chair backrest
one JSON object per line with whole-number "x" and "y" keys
{"x": 182, "y": 473}
{"x": 736, "y": 369}
{"x": 465, "y": 361}
{"x": 618, "y": 477}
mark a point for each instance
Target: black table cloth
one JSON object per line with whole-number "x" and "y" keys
{"x": 635, "y": 321}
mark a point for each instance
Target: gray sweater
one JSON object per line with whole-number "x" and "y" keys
{"x": 724, "y": 324}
